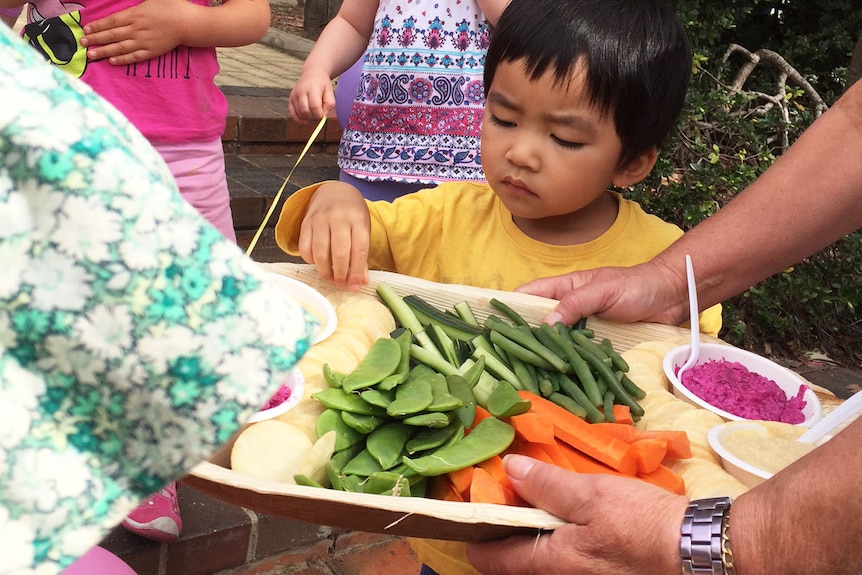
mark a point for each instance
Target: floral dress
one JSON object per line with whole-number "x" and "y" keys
{"x": 134, "y": 339}
{"x": 417, "y": 116}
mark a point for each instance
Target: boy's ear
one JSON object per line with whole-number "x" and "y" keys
{"x": 637, "y": 169}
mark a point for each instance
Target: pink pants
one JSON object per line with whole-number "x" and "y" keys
{"x": 198, "y": 168}
{"x": 99, "y": 561}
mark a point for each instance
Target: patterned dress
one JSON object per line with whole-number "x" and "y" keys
{"x": 134, "y": 338}
{"x": 417, "y": 116}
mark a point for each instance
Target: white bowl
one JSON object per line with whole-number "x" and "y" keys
{"x": 296, "y": 383}
{"x": 314, "y": 303}
{"x": 787, "y": 380}
{"x": 746, "y": 473}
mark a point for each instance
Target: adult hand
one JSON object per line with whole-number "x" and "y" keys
{"x": 646, "y": 292}
{"x": 139, "y": 33}
{"x": 312, "y": 97}
{"x": 616, "y": 526}
{"x": 335, "y": 235}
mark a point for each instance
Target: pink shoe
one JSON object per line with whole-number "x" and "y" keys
{"x": 157, "y": 517}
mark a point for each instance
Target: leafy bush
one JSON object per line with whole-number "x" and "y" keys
{"x": 723, "y": 142}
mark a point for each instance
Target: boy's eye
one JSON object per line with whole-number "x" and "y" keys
{"x": 566, "y": 143}
{"x": 497, "y": 121}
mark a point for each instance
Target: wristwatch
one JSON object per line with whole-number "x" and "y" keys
{"x": 703, "y": 544}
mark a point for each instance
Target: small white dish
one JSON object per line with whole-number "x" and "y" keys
{"x": 787, "y": 380}
{"x": 314, "y": 303}
{"x": 296, "y": 383}
{"x": 748, "y": 474}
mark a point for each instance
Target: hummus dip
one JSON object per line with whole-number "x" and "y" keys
{"x": 771, "y": 446}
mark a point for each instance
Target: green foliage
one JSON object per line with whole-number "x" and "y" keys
{"x": 724, "y": 141}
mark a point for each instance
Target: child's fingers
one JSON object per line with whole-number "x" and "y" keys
{"x": 359, "y": 247}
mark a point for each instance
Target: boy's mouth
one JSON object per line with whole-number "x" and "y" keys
{"x": 517, "y": 186}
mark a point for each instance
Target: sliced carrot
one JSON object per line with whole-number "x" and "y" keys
{"x": 557, "y": 455}
{"x": 651, "y": 452}
{"x": 534, "y": 450}
{"x": 494, "y": 466}
{"x": 622, "y": 414}
{"x": 481, "y": 413}
{"x": 664, "y": 477}
{"x": 461, "y": 479}
{"x": 533, "y": 427}
{"x": 584, "y": 436}
{"x": 485, "y": 489}
{"x": 441, "y": 487}
{"x": 678, "y": 445}
{"x": 584, "y": 463}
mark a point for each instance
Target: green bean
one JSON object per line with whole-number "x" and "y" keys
{"x": 546, "y": 388}
{"x": 510, "y": 313}
{"x": 515, "y": 349}
{"x": 620, "y": 364}
{"x": 570, "y": 388}
{"x": 525, "y": 377}
{"x": 609, "y": 407}
{"x": 611, "y": 380}
{"x": 578, "y": 364}
{"x": 497, "y": 367}
{"x": 526, "y": 339}
{"x": 490, "y": 437}
{"x": 568, "y": 404}
{"x": 631, "y": 386}
{"x": 381, "y": 361}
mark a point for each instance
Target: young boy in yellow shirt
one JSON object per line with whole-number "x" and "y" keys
{"x": 579, "y": 96}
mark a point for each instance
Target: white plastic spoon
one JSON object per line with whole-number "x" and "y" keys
{"x": 835, "y": 418}
{"x": 694, "y": 349}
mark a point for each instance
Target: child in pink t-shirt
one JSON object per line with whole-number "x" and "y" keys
{"x": 155, "y": 61}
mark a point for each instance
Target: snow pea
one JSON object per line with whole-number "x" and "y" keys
{"x": 380, "y": 362}
{"x": 345, "y": 436}
{"x": 343, "y": 401}
{"x": 459, "y": 387}
{"x": 412, "y": 396}
{"x": 361, "y": 422}
{"x": 490, "y": 437}
{"x": 403, "y": 370}
{"x": 428, "y": 419}
{"x": 432, "y": 438}
{"x": 376, "y": 396}
{"x": 364, "y": 464}
{"x": 386, "y": 443}
{"x": 504, "y": 401}
{"x": 443, "y": 400}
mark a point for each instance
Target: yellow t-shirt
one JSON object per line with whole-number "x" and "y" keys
{"x": 461, "y": 233}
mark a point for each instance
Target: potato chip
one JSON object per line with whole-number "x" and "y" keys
{"x": 271, "y": 449}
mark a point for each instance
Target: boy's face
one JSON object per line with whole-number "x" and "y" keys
{"x": 549, "y": 155}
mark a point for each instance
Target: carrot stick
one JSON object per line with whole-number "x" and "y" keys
{"x": 533, "y": 427}
{"x": 584, "y": 436}
{"x": 664, "y": 477}
{"x": 494, "y": 466}
{"x": 481, "y": 413}
{"x": 557, "y": 455}
{"x": 583, "y": 463}
{"x": 485, "y": 489}
{"x": 651, "y": 452}
{"x": 461, "y": 479}
{"x": 534, "y": 450}
{"x": 622, "y": 414}
{"x": 441, "y": 487}
{"x": 678, "y": 445}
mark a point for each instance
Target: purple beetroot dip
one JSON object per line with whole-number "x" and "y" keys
{"x": 730, "y": 386}
{"x": 282, "y": 395}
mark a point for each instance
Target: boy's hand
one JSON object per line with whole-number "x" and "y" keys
{"x": 312, "y": 97}
{"x": 135, "y": 34}
{"x": 335, "y": 235}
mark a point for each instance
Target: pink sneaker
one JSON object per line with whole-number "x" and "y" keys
{"x": 157, "y": 517}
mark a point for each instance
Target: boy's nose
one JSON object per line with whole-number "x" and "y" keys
{"x": 521, "y": 152}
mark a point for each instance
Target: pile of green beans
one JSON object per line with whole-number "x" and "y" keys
{"x": 564, "y": 364}
{"x": 397, "y": 423}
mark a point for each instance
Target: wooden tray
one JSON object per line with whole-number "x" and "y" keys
{"x": 408, "y": 516}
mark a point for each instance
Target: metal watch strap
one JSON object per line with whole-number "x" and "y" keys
{"x": 700, "y": 541}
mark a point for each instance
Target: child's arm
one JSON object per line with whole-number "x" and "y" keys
{"x": 335, "y": 235}
{"x": 341, "y": 43}
{"x": 155, "y": 27}
{"x": 492, "y": 9}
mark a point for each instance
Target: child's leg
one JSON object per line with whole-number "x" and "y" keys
{"x": 198, "y": 168}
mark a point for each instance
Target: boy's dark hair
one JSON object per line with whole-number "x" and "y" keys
{"x": 637, "y": 57}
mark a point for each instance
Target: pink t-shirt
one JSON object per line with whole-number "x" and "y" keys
{"x": 171, "y": 98}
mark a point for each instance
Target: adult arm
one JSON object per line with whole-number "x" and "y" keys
{"x": 806, "y": 200}
{"x": 803, "y": 520}
{"x": 492, "y": 9}
{"x": 155, "y": 27}
{"x": 339, "y": 46}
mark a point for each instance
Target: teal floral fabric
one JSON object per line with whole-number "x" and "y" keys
{"x": 134, "y": 339}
